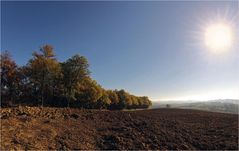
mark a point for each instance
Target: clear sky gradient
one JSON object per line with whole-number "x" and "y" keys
{"x": 147, "y": 48}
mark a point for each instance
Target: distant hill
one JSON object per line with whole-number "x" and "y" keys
{"x": 221, "y": 105}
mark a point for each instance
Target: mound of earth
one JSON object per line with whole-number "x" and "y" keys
{"x": 36, "y": 128}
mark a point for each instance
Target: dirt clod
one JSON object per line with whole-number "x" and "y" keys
{"x": 33, "y": 128}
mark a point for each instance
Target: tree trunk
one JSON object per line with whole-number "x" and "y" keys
{"x": 69, "y": 98}
{"x": 68, "y": 103}
{"x": 42, "y": 90}
{"x": 42, "y": 98}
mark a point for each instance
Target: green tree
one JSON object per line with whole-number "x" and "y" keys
{"x": 75, "y": 70}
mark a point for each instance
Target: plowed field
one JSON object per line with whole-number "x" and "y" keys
{"x": 64, "y": 128}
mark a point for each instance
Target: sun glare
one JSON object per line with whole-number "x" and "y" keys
{"x": 230, "y": 93}
{"x": 218, "y": 37}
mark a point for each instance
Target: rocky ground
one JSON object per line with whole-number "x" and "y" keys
{"x": 62, "y": 128}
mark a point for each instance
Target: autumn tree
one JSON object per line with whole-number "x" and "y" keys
{"x": 9, "y": 78}
{"x": 124, "y": 99}
{"x": 43, "y": 68}
{"x": 88, "y": 92}
{"x": 114, "y": 99}
{"x": 104, "y": 101}
{"x": 28, "y": 91}
{"x": 60, "y": 84}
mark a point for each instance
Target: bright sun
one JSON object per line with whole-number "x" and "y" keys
{"x": 218, "y": 37}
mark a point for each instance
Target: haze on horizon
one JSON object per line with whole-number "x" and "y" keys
{"x": 164, "y": 50}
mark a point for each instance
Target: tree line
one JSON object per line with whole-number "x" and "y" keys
{"x": 44, "y": 81}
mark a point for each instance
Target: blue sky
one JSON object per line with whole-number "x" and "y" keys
{"x": 148, "y": 48}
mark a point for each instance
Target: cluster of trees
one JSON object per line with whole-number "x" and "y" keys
{"x": 45, "y": 81}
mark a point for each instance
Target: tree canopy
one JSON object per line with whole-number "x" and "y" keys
{"x": 44, "y": 81}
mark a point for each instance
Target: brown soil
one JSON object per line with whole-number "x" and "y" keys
{"x": 61, "y": 128}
